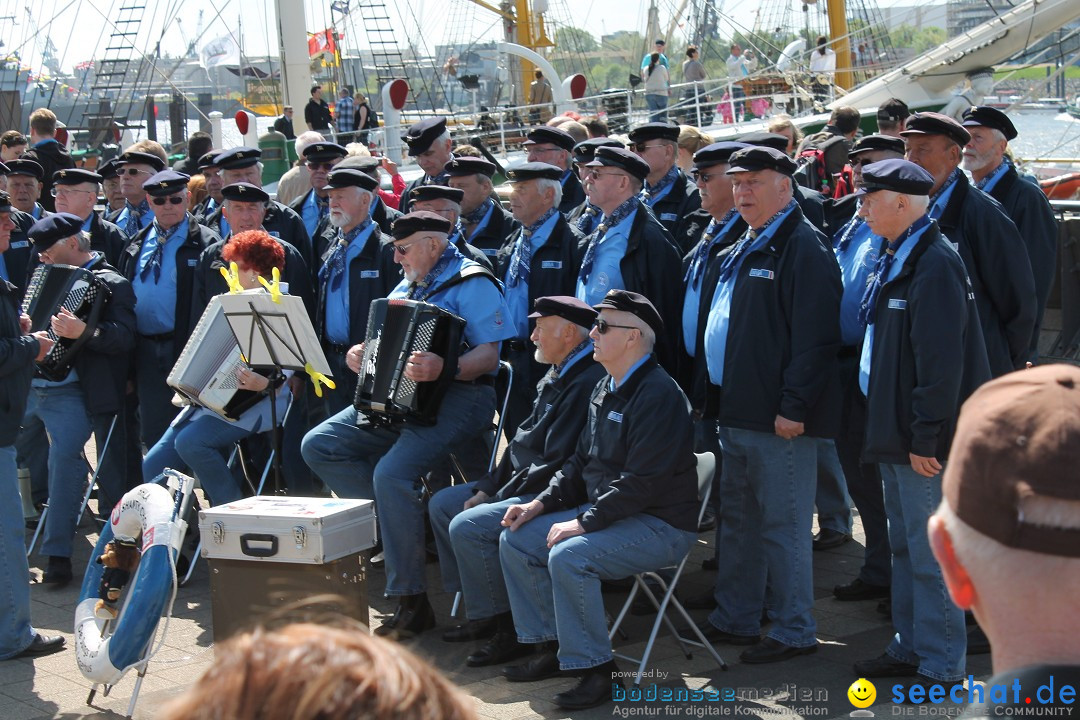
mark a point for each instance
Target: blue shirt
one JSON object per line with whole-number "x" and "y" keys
{"x": 582, "y": 353}
{"x": 3, "y": 268}
{"x": 614, "y": 385}
{"x": 155, "y": 309}
{"x": 86, "y": 225}
{"x": 857, "y": 261}
{"x": 937, "y": 205}
{"x": 517, "y": 297}
{"x": 309, "y": 213}
{"x": 692, "y": 300}
{"x": 607, "y": 271}
{"x": 337, "y": 294}
{"x": 121, "y": 220}
{"x": 993, "y": 178}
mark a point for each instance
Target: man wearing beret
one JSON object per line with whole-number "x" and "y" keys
{"x": 314, "y": 205}
{"x": 623, "y": 503}
{"x": 1024, "y": 202}
{"x": 770, "y": 346}
{"x": 922, "y": 354}
{"x": 540, "y": 258}
{"x": 985, "y": 237}
{"x": 137, "y": 164}
{"x": 1007, "y": 536}
{"x": 467, "y": 518}
{"x": 24, "y": 181}
{"x": 160, "y": 262}
{"x": 212, "y": 173}
{"x": 810, "y": 201}
{"x": 76, "y": 192}
{"x": 586, "y": 216}
{"x": 15, "y": 259}
{"x": 556, "y": 147}
{"x": 382, "y": 213}
{"x": 629, "y": 249}
{"x": 242, "y": 164}
{"x": 667, "y": 192}
{"x": 446, "y": 201}
{"x": 485, "y": 224}
{"x": 110, "y": 186}
{"x": 358, "y": 457}
{"x": 429, "y": 142}
{"x": 88, "y": 397}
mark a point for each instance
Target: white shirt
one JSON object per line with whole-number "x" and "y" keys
{"x": 823, "y": 63}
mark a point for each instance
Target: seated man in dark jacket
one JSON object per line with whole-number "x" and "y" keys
{"x": 466, "y": 518}
{"x": 622, "y": 504}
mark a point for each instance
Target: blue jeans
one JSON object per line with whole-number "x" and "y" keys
{"x": 555, "y": 593}
{"x": 766, "y": 512}
{"x": 153, "y": 361}
{"x": 832, "y": 500}
{"x": 201, "y": 442}
{"x": 930, "y": 628}
{"x": 15, "y": 631}
{"x": 657, "y": 107}
{"x": 359, "y": 460}
{"x": 63, "y": 410}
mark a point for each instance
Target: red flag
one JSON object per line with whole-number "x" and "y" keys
{"x": 321, "y": 42}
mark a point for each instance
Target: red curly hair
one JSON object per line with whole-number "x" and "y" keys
{"x": 255, "y": 249}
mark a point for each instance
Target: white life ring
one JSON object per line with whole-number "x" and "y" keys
{"x": 149, "y": 510}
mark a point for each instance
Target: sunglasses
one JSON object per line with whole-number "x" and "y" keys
{"x": 320, "y": 166}
{"x": 171, "y": 199}
{"x": 704, "y": 177}
{"x": 602, "y": 326}
{"x": 57, "y": 192}
{"x": 133, "y": 172}
{"x": 403, "y": 249}
{"x": 642, "y": 147}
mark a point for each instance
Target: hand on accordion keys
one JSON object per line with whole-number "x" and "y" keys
{"x": 66, "y": 325}
{"x": 423, "y": 367}
{"x": 25, "y": 323}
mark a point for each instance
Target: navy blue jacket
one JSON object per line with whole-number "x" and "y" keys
{"x": 494, "y": 235}
{"x": 17, "y": 256}
{"x": 573, "y": 194}
{"x": 672, "y": 210}
{"x": 372, "y": 275}
{"x": 105, "y": 238}
{"x": 17, "y": 353}
{"x": 103, "y": 361}
{"x": 281, "y": 221}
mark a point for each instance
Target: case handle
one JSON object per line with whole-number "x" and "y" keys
{"x": 247, "y": 548}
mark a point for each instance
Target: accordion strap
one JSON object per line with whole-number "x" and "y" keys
{"x": 466, "y": 273}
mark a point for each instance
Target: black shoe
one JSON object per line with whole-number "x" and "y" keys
{"x": 708, "y": 521}
{"x": 712, "y": 563}
{"x": 472, "y": 630}
{"x": 412, "y": 617}
{"x": 57, "y": 572}
{"x": 859, "y": 590}
{"x": 43, "y": 645}
{"x": 884, "y": 665}
{"x": 593, "y": 690}
{"x": 704, "y": 601}
{"x": 501, "y": 648}
{"x": 828, "y": 539}
{"x": 541, "y": 667}
{"x": 977, "y": 642}
{"x": 715, "y": 634}
{"x": 770, "y": 650}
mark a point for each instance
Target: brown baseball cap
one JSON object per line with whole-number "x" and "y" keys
{"x": 1018, "y": 442}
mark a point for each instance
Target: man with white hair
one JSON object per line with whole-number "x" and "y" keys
{"x": 555, "y": 146}
{"x": 485, "y": 224}
{"x": 429, "y": 142}
{"x": 623, "y": 503}
{"x": 313, "y": 206}
{"x": 76, "y": 192}
{"x": 1007, "y": 536}
{"x": 922, "y": 354}
{"x": 297, "y": 181}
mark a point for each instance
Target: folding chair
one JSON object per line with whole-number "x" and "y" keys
{"x": 706, "y": 468}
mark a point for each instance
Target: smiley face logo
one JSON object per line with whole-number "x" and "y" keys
{"x": 862, "y": 693}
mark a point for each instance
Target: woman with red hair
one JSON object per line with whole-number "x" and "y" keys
{"x": 201, "y": 439}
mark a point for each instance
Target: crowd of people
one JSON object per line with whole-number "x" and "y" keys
{"x": 656, "y": 295}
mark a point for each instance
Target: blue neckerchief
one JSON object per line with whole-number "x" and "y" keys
{"x": 565, "y": 176}
{"x": 575, "y": 354}
{"x": 732, "y": 260}
{"x": 420, "y": 288}
{"x": 940, "y": 199}
{"x": 849, "y": 231}
{"x": 439, "y": 179}
{"x": 987, "y": 183}
{"x": 94, "y": 255}
{"x": 134, "y": 218}
{"x": 36, "y": 212}
{"x": 652, "y": 194}
{"x": 585, "y": 220}
{"x": 334, "y": 267}
{"x": 617, "y": 216}
{"x": 522, "y": 259}
{"x": 880, "y": 275}
{"x": 154, "y": 263}
{"x": 716, "y": 228}
{"x": 478, "y": 214}
{"x": 323, "y": 204}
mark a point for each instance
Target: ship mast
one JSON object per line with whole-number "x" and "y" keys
{"x": 841, "y": 42}
{"x": 295, "y": 70}
{"x": 523, "y": 24}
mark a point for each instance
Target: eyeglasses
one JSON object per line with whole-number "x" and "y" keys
{"x": 133, "y": 172}
{"x": 56, "y": 192}
{"x": 704, "y": 177}
{"x": 642, "y": 147}
{"x": 596, "y": 173}
{"x": 602, "y": 326}
{"x": 537, "y": 149}
{"x": 328, "y": 166}
{"x": 403, "y": 249}
{"x": 171, "y": 199}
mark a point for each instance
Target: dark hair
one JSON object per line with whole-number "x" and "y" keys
{"x": 846, "y": 119}
{"x": 199, "y": 144}
{"x": 255, "y": 249}
{"x": 597, "y": 127}
{"x": 314, "y": 88}
{"x": 538, "y": 74}
{"x": 11, "y": 138}
{"x": 691, "y": 51}
{"x": 822, "y": 41}
{"x": 653, "y": 60}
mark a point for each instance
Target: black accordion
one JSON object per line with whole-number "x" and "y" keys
{"x": 395, "y": 330}
{"x": 52, "y": 287}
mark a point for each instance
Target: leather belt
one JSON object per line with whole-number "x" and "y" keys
{"x": 336, "y": 348}
{"x": 488, "y": 380}
{"x": 160, "y": 337}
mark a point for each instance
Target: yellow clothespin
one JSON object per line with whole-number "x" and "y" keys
{"x": 274, "y": 286}
{"x": 318, "y": 379}
{"x": 232, "y": 277}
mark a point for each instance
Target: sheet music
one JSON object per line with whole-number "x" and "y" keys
{"x": 289, "y": 331}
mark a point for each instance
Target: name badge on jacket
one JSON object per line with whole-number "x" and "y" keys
{"x": 20, "y": 244}
{"x": 551, "y": 265}
{"x": 762, "y": 273}
{"x": 193, "y": 262}
{"x": 614, "y": 416}
{"x": 369, "y": 273}
{"x": 897, "y": 304}
{"x": 665, "y": 217}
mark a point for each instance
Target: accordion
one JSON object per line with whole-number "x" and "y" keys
{"x": 78, "y": 290}
{"x": 395, "y": 330}
{"x": 205, "y": 372}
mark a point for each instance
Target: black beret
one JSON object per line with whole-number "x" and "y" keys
{"x": 419, "y": 221}
{"x": 893, "y": 110}
{"x": 717, "y": 154}
{"x": 209, "y": 160}
{"x": 655, "y": 131}
{"x": 991, "y": 118}
{"x": 75, "y": 176}
{"x": 166, "y": 182}
{"x": 765, "y": 139}
{"x": 238, "y": 157}
{"x": 752, "y": 159}
{"x": 436, "y": 192}
{"x": 895, "y": 174}
{"x": 244, "y": 192}
{"x": 324, "y": 151}
{"x": 141, "y": 158}
{"x": 5, "y": 202}
{"x": 635, "y": 304}
{"x": 20, "y": 166}
{"x": 566, "y": 307}
{"x": 4, "y": 169}
{"x": 621, "y": 158}
{"x": 423, "y": 133}
{"x": 534, "y": 171}
{"x": 550, "y": 135}
{"x": 51, "y": 229}
{"x": 932, "y": 123}
{"x": 467, "y": 165}
{"x": 109, "y": 169}
{"x": 878, "y": 142}
{"x": 350, "y": 177}
{"x": 585, "y": 150}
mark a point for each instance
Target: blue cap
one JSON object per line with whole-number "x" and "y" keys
{"x": 51, "y": 229}
{"x": 419, "y": 221}
{"x": 897, "y": 175}
{"x": 324, "y": 151}
{"x": 585, "y": 151}
{"x": 24, "y": 166}
{"x": 990, "y": 117}
{"x": 716, "y": 154}
{"x": 932, "y": 123}
{"x": 534, "y": 171}
{"x": 756, "y": 158}
{"x": 551, "y": 136}
{"x": 75, "y": 176}
{"x": 5, "y": 202}
{"x": 436, "y": 192}
{"x": 888, "y": 143}
{"x": 466, "y": 165}
{"x": 165, "y": 183}
{"x": 765, "y": 139}
{"x": 237, "y": 158}
{"x": 141, "y": 158}
{"x": 621, "y": 158}
{"x": 244, "y": 192}
{"x": 350, "y": 177}
{"x": 655, "y": 131}
{"x": 422, "y": 134}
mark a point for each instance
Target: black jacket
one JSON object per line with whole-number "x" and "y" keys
{"x": 17, "y": 257}
{"x": 547, "y": 438}
{"x": 103, "y": 361}
{"x": 999, "y": 270}
{"x": 573, "y": 194}
{"x": 494, "y": 235}
{"x": 17, "y": 353}
{"x": 813, "y": 207}
{"x": 198, "y": 239}
{"x": 372, "y": 275}
{"x": 928, "y": 355}
{"x": 280, "y": 221}
{"x": 51, "y": 156}
{"x": 1026, "y": 205}
{"x": 384, "y": 216}
{"x": 317, "y": 114}
{"x": 783, "y": 336}
{"x": 672, "y": 209}
{"x": 635, "y": 456}
{"x": 838, "y": 211}
{"x": 105, "y": 238}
